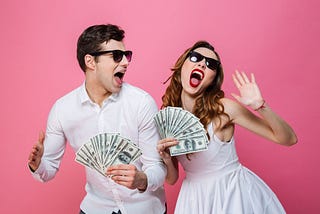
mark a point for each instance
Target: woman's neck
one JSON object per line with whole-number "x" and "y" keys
{"x": 187, "y": 101}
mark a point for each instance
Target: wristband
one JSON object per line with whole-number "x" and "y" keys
{"x": 261, "y": 107}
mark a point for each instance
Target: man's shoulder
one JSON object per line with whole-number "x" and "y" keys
{"x": 70, "y": 97}
{"x": 133, "y": 94}
{"x": 134, "y": 90}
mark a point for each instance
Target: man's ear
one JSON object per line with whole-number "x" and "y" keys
{"x": 90, "y": 62}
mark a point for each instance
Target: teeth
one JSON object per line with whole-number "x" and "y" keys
{"x": 199, "y": 73}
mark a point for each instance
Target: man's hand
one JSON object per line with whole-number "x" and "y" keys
{"x": 128, "y": 176}
{"x": 36, "y": 153}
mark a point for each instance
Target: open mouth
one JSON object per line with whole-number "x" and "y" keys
{"x": 119, "y": 77}
{"x": 196, "y": 77}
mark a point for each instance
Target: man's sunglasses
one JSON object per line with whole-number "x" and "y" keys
{"x": 116, "y": 54}
{"x": 210, "y": 62}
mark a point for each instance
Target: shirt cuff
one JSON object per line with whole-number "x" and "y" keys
{"x": 36, "y": 174}
{"x": 156, "y": 177}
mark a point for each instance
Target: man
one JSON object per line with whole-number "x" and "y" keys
{"x": 103, "y": 104}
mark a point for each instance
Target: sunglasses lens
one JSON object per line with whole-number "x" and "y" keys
{"x": 128, "y": 55}
{"x": 212, "y": 64}
{"x": 117, "y": 55}
{"x": 195, "y": 57}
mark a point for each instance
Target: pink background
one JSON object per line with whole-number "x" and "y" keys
{"x": 278, "y": 40}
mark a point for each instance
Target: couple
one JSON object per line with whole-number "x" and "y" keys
{"x": 215, "y": 181}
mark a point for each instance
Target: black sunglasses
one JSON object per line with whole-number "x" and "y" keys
{"x": 116, "y": 54}
{"x": 210, "y": 62}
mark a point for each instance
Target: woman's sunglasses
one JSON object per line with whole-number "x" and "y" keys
{"x": 210, "y": 62}
{"x": 116, "y": 54}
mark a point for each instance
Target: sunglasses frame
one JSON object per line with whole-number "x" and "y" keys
{"x": 215, "y": 63}
{"x": 128, "y": 54}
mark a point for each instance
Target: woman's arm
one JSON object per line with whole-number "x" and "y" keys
{"x": 269, "y": 125}
{"x": 171, "y": 162}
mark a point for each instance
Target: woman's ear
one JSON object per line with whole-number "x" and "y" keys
{"x": 90, "y": 62}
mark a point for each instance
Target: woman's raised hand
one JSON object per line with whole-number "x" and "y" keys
{"x": 249, "y": 91}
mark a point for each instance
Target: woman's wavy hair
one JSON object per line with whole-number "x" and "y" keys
{"x": 207, "y": 106}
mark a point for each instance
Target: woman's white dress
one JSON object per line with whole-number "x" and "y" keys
{"x": 217, "y": 183}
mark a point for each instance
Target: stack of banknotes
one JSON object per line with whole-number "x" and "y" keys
{"x": 107, "y": 149}
{"x": 182, "y": 125}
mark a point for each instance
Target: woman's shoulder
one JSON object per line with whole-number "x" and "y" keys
{"x": 231, "y": 107}
{"x": 228, "y": 103}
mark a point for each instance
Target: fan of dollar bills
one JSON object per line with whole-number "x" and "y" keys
{"x": 183, "y": 126}
{"x": 107, "y": 149}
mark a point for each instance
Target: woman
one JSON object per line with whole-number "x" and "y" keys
{"x": 215, "y": 180}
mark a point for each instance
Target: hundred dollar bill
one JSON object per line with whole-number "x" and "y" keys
{"x": 117, "y": 145}
{"x": 189, "y": 145}
{"x": 183, "y": 126}
{"x": 159, "y": 124}
{"x": 126, "y": 155}
{"x": 106, "y": 149}
{"x": 84, "y": 158}
{"x": 192, "y": 130}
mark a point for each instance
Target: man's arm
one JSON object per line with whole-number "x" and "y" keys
{"x": 152, "y": 164}
{"x": 46, "y": 154}
{"x": 153, "y": 171}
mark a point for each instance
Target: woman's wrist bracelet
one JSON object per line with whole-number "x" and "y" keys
{"x": 261, "y": 106}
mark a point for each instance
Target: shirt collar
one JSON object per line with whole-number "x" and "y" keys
{"x": 84, "y": 97}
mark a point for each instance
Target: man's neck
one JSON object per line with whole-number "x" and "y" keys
{"x": 96, "y": 94}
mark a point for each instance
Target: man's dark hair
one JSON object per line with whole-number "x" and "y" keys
{"x": 91, "y": 39}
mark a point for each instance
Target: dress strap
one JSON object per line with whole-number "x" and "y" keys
{"x": 210, "y": 130}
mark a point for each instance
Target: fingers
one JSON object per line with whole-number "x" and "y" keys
{"x": 235, "y": 80}
{"x": 121, "y": 179}
{"x": 121, "y": 170}
{"x": 123, "y": 174}
{"x": 240, "y": 78}
{"x": 253, "y": 79}
{"x": 36, "y": 152}
{"x": 41, "y": 137}
{"x": 34, "y": 158}
{"x": 164, "y": 140}
{"x": 122, "y": 167}
{"x": 31, "y": 158}
{"x": 166, "y": 143}
{"x": 132, "y": 178}
{"x": 37, "y": 149}
{"x": 124, "y": 180}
